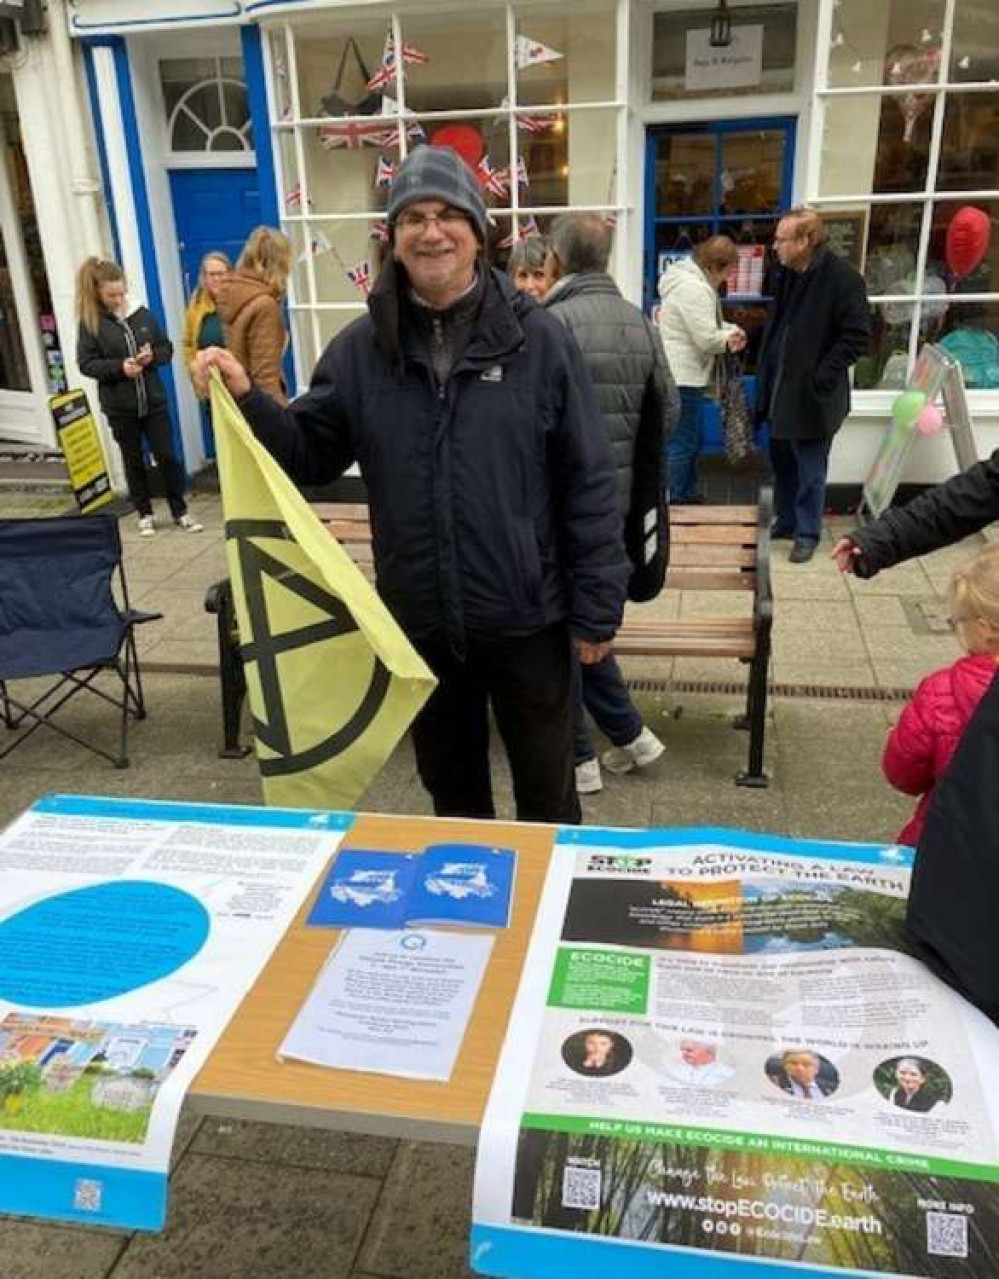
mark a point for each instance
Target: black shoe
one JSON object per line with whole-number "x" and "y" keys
{"x": 777, "y": 534}
{"x": 801, "y": 552}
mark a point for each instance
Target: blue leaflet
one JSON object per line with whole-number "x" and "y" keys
{"x": 464, "y": 884}
{"x": 365, "y": 889}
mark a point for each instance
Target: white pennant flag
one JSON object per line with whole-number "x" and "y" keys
{"x": 531, "y": 53}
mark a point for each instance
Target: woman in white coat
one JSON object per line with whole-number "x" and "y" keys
{"x": 694, "y": 335}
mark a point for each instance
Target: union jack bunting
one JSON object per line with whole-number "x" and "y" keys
{"x": 385, "y": 172}
{"x": 522, "y": 179}
{"x": 379, "y": 233}
{"x": 528, "y": 228}
{"x": 536, "y": 123}
{"x": 386, "y": 71}
{"x": 354, "y": 134}
{"x": 318, "y": 243}
{"x": 490, "y": 178}
{"x": 360, "y": 277}
{"x": 293, "y": 200}
{"x": 531, "y": 53}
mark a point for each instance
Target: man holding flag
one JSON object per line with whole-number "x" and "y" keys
{"x": 491, "y": 486}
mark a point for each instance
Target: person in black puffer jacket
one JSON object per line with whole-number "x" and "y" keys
{"x": 121, "y": 353}
{"x": 640, "y": 406}
{"x": 955, "y": 880}
{"x": 491, "y": 489}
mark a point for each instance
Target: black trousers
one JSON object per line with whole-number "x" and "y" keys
{"x": 528, "y": 681}
{"x": 128, "y": 433}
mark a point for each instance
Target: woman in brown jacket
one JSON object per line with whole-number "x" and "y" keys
{"x": 249, "y": 303}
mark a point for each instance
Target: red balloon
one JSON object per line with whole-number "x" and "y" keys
{"x": 967, "y": 239}
{"x": 463, "y": 138}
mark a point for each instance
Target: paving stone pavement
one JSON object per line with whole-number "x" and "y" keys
{"x": 252, "y": 1200}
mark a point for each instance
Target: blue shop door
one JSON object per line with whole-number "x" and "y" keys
{"x": 214, "y": 210}
{"x": 729, "y": 177}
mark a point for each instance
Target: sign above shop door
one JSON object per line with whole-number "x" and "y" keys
{"x": 736, "y": 65}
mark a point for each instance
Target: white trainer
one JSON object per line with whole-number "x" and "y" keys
{"x": 147, "y": 526}
{"x": 588, "y": 779}
{"x": 189, "y": 524}
{"x": 645, "y": 749}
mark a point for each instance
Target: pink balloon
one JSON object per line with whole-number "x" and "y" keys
{"x": 930, "y": 420}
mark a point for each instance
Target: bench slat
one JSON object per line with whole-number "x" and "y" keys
{"x": 688, "y": 579}
{"x": 713, "y": 535}
{"x": 698, "y": 555}
{"x": 713, "y": 515}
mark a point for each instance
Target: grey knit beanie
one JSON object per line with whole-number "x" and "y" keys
{"x": 437, "y": 173}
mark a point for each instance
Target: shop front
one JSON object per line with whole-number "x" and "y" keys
{"x": 672, "y": 120}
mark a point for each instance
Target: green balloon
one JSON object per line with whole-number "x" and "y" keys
{"x": 907, "y": 407}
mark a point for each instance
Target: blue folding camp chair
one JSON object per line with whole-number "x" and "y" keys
{"x": 59, "y": 617}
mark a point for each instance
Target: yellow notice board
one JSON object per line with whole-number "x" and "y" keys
{"x": 81, "y": 446}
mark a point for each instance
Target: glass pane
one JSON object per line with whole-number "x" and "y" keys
{"x": 228, "y": 140}
{"x": 334, "y": 68}
{"x": 342, "y": 180}
{"x": 969, "y": 331}
{"x": 874, "y": 143}
{"x": 974, "y": 51}
{"x": 685, "y": 175}
{"x": 280, "y": 79}
{"x": 336, "y": 248}
{"x": 969, "y": 156}
{"x": 886, "y": 42}
{"x": 575, "y": 163}
{"x": 563, "y": 57}
{"x": 752, "y": 168}
{"x": 886, "y": 364}
{"x": 892, "y": 245}
{"x": 13, "y": 366}
{"x": 673, "y": 48}
{"x": 466, "y": 65}
{"x": 972, "y": 264}
{"x": 237, "y": 111}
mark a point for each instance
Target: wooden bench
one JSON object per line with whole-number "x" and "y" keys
{"x": 712, "y": 548}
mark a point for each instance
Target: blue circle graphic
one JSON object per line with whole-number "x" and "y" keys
{"x": 95, "y": 943}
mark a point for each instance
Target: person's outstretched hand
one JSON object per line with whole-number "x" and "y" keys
{"x": 233, "y": 374}
{"x": 846, "y": 552}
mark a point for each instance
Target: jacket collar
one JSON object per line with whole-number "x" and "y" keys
{"x": 581, "y": 284}
{"x": 497, "y": 330}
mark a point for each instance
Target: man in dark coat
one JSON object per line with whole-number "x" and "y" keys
{"x": 491, "y": 487}
{"x": 819, "y": 327}
{"x": 954, "y": 894}
{"x": 640, "y": 406}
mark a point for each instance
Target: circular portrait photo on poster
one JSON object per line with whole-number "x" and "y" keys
{"x": 597, "y": 1052}
{"x": 802, "y": 1073}
{"x": 913, "y": 1083}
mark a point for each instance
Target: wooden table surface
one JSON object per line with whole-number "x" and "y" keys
{"x": 243, "y": 1078}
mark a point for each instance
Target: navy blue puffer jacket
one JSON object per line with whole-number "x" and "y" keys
{"x": 493, "y": 498}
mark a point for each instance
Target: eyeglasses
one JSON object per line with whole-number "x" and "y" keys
{"x": 411, "y": 220}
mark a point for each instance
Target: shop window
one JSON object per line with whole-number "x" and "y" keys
{"x": 205, "y": 103}
{"x": 523, "y": 93}
{"x": 896, "y": 160}
{"x": 760, "y": 58}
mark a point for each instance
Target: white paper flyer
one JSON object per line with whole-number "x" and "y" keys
{"x": 721, "y": 1055}
{"x": 129, "y": 933}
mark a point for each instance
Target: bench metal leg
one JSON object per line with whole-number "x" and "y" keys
{"x": 232, "y": 680}
{"x": 756, "y": 718}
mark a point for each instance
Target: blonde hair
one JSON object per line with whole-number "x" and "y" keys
{"x": 216, "y": 255}
{"x": 92, "y": 275}
{"x": 267, "y": 255}
{"x": 974, "y": 594}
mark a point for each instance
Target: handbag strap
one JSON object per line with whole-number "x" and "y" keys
{"x": 349, "y": 44}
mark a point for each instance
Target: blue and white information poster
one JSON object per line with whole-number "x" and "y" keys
{"x": 129, "y": 933}
{"x": 723, "y": 1064}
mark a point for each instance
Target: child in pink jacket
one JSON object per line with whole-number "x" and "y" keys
{"x": 931, "y": 725}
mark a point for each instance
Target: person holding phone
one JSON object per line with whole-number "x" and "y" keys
{"x": 122, "y": 352}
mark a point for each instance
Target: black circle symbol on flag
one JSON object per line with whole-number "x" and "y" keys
{"x": 264, "y": 647}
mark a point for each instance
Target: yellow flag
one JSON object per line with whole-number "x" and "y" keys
{"x": 332, "y": 680}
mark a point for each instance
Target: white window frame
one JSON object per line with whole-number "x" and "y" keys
{"x": 619, "y": 203}
{"x": 872, "y": 402}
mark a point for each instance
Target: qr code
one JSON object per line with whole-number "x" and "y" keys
{"x": 581, "y": 1188}
{"x": 946, "y": 1234}
{"x": 87, "y": 1195}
